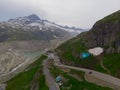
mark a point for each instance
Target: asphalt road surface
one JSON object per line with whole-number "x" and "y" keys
{"x": 50, "y": 80}
{"x": 104, "y": 77}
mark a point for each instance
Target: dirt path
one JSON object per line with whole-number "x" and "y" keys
{"x": 100, "y": 58}
{"x": 102, "y": 65}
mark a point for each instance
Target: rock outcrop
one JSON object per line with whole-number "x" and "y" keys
{"x": 105, "y": 33}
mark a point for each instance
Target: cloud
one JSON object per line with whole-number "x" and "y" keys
{"x": 80, "y": 13}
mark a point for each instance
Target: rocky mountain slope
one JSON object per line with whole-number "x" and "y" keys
{"x": 106, "y": 34}
{"x": 33, "y": 28}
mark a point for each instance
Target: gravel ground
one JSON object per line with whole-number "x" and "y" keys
{"x": 2, "y": 86}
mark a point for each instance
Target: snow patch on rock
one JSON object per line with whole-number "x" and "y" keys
{"x": 96, "y": 51}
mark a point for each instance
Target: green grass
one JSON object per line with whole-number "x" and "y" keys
{"x": 79, "y": 73}
{"x": 111, "y": 18}
{"x": 42, "y": 85}
{"x": 69, "y": 52}
{"x": 23, "y": 80}
{"x": 74, "y": 84}
{"x": 112, "y": 63}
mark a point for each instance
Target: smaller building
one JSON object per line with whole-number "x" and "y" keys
{"x": 84, "y": 55}
{"x": 58, "y": 79}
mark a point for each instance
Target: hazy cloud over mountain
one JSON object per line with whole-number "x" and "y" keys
{"x": 80, "y": 13}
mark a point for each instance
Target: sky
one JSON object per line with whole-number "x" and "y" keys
{"x": 79, "y": 13}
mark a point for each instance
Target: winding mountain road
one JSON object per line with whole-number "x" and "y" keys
{"x": 50, "y": 80}
{"x": 111, "y": 81}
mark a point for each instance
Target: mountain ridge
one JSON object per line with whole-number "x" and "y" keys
{"x": 36, "y": 18}
{"x": 32, "y": 27}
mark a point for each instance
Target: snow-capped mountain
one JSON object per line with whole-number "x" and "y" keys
{"x": 32, "y": 27}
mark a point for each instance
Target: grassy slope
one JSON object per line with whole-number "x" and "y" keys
{"x": 74, "y": 84}
{"x": 71, "y": 49}
{"x": 112, "y": 63}
{"x": 111, "y": 18}
{"x": 24, "y": 80}
{"x": 69, "y": 52}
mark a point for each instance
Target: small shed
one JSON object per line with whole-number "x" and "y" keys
{"x": 58, "y": 79}
{"x": 84, "y": 55}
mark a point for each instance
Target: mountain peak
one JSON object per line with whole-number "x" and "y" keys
{"x": 33, "y": 17}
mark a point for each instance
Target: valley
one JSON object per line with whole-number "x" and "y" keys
{"x": 25, "y": 38}
{"x": 36, "y": 54}
{"x": 17, "y": 55}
